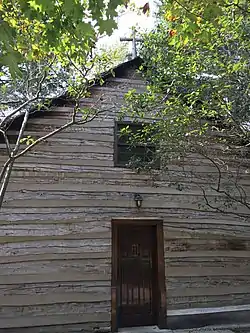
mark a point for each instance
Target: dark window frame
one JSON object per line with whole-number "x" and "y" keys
{"x": 118, "y": 144}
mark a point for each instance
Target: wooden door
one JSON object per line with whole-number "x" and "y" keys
{"x": 136, "y": 274}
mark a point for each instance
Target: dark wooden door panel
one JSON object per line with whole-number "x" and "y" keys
{"x": 136, "y": 275}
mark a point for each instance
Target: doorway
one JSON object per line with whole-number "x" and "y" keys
{"x": 138, "y": 274}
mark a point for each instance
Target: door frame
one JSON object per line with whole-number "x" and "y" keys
{"x": 162, "y": 306}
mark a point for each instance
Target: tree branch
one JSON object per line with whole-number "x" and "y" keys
{"x": 6, "y": 142}
{"x": 60, "y": 129}
{"x": 217, "y": 167}
{"x": 35, "y": 97}
{"x": 7, "y": 168}
{"x": 217, "y": 209}
{"x": 95, "y": 109}
{"x": 6, "y": 178}
{"x": 20, "y": 135}
{"x": 186, "y": 9}
{"x": 4, "y": 168}
{"x": 244, "y": 10}
{"x": 11, "y": 102}
{"x": 6, "y": 175}
{"x": 218, "y": 189}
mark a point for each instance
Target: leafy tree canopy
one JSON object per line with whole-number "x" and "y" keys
{"x": 197, "y": 65}
{"x": 35, "y": 29}
{"x": 26, "y": 92}
{"x": 196, "y": 62}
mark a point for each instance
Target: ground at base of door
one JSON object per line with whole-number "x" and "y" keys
{"x": 155, "y": 329}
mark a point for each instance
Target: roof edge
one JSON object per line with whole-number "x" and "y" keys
{"x": 66, "y": 98}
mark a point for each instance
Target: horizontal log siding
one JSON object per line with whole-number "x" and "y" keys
{"x": 55, "y": 227}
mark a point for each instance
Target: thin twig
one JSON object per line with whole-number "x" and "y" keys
{"x": 217, "y": 209}
{"x": 8, "y": 117}
{"x": 58, "y": 130}
{"x": 218, "y": 187}
{"x": 11, "y": 102}
{"x": 244, "y": 10}
{"x": 218, "y": 169}
{"x": 187, "y": 10}
{"x": 76, "y": 67}
{"x": 18, "y": 109}
{"x": 232, "y": 198}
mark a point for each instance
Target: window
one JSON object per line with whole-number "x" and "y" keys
{"x": 128, "y": 152}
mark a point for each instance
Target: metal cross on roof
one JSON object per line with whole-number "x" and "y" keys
{"x": 134, "y": 40}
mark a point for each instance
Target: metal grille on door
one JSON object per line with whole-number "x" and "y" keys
{"x": 136, "y": 274}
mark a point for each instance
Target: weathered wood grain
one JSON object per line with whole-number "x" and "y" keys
{"x": 124, "y": 201}
{"x": 82, "y": 327}
{"x": 67, "y": 165}
{"x": 156, "y": 177}
{"x": 55, "y": 225}
{"x": 75, "y": 148}
{"x": 63, "y": 214}
{"x": 66, "y": 276}
{"x": 200, "y": 244}
{"x": 164, "y": 200}
{"x": 205, "y": 301}
{"x": 49, "y": 288}
{"x": 30, "y": 161}
{"x": 54, "y": 308}
{"x": 200, "y": 261}
{"x": 77, "y": 135}
{"x": 199, "y": 218}
{"x": 230, "y": 281}
{"x": 53, "y": 120}
{"x": 208, "y": 292}
{"x": 206, "y": 271}
{"x": 95, "y": 266}
{"x": 33, "y": 300}
{"x": 85, "y": 225}
{"x": 211, "y": 255}
{"x": 41, "y": 228}
{"x": 99, "y": 188}
{"x": 70, "y": 236}
{"x": 55, "y": 246}
{"x": 48, "y": 320}
{"x": 52, "y": 257}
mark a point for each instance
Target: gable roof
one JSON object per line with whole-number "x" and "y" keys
{"x": 117, "y": 71}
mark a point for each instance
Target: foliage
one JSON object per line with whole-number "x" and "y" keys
{"x": 33, "y": 92}
{"x": 196, "y": 62}
{"x": 37, "y": 29}
{"x": 59, "y": 79}
{"x": 197, "y": 71}
{"x": 48, "y": 49}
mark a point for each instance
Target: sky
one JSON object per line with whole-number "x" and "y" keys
{"x": 131, "y": 19}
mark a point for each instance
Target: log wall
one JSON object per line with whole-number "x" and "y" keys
{"x": 55, "y": 227}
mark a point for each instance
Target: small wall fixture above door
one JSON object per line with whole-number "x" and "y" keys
{"x": 138, "y": 200}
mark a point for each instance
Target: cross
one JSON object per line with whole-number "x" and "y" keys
{"x": 132, "y": 39}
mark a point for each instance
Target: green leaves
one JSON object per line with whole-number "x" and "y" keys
{"x": 64, "y": 28}
{"x": 28, "y": 140}
{"x": 212, "y": 11}
{"x": 107, "y": 26}
{"x": 197, "y": 63}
